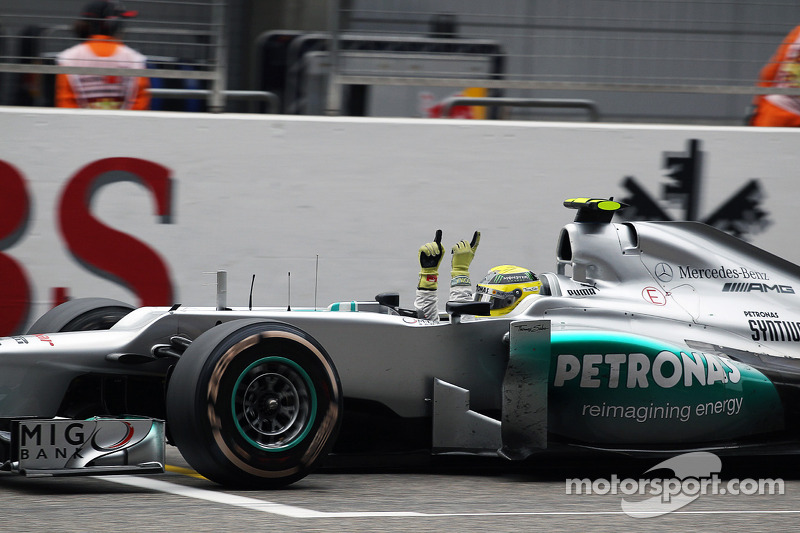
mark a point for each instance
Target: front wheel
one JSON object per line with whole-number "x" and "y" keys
{"x": 254, "y": 403}
{"x": 82, "y": 314}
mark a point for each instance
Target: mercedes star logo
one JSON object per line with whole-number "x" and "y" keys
{"x": 663, "y": 272}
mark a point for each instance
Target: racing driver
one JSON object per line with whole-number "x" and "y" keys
{"x": 504, "y": 286}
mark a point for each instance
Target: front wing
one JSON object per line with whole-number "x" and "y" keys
{"x": 57, "y": 447}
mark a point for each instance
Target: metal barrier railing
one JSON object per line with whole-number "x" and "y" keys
{"x": 695, "y": 60}
{"x": 271, "y": 99}
{"x": 545, "y": 103}
{"x": 672, "y": 60}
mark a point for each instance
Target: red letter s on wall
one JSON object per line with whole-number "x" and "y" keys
{"x": 14, "y": 288}
{"x": 110, "y": 253}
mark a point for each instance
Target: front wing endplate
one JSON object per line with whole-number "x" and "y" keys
{"x": 61, "y": 447}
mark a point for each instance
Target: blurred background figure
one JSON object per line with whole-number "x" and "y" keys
{"x": 100, "y": 25}
{"x": 783, "y": 70}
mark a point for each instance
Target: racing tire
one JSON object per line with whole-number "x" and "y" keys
{"x": 82, "y": 314}
{"x": 254, "y": 404}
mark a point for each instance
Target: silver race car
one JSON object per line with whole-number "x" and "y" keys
{"x": 650, "y": 337}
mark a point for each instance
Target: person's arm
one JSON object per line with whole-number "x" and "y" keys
{"x": 460, "y": 284}
{"x": 138, "y": 95}
{"x": 430, "y": 256}
{"x": 65, "y": 96}
{"x": 769, "y": 72}
{"x": 142, "y": 100}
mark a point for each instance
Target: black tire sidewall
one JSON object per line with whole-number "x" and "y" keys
{"x": 200, "y": 413}
{"x": 82, "y": 314}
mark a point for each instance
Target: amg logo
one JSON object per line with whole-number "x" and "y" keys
{"x": 582, "y": 292}
{"x": 757, "y": 287}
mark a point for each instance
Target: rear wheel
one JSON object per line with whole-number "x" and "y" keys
{"x": 82, "y": 314}
{"x": 254, "y": 403}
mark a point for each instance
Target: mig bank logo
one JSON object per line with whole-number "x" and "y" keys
{"x": 741, "y": 215}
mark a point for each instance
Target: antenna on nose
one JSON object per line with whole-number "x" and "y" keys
{"x": 289, "y": 303}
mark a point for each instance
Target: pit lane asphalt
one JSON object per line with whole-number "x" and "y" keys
{"x": 448, "y": 494}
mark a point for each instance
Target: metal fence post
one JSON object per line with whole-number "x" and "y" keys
{"x": 216, "y": 101}
{"x": 333, "y": 104}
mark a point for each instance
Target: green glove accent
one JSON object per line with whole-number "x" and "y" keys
{"x": 430, "y": 256}
{"x": 463, "y": 252}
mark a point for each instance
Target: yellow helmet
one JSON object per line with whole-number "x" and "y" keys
{"x": 505, "y": 286}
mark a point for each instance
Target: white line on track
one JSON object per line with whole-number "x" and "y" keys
{"x": 300, "y": 512}
{"x": 238, "y": 501}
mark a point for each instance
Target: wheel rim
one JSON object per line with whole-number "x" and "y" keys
{"x": 274, "y": 404}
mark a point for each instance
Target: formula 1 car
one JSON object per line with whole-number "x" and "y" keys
{"x": 651, "y": 337}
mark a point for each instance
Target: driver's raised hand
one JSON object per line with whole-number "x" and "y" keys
{"x": 430, "y": 256}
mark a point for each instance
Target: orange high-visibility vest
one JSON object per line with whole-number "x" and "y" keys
{"x": 100, "y": 91}
{"x": 783, "y": 70}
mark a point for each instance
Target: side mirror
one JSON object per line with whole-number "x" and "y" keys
{"x": 456, "y": 309}
{"x": 389, "y": 299}
{"x": 392, "y": 301}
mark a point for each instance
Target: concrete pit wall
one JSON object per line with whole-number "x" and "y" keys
{"x": 143, "y": 207}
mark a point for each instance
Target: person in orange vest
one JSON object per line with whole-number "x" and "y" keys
{"x": 783, "y": 70}
{"x": 100, "y": 25}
